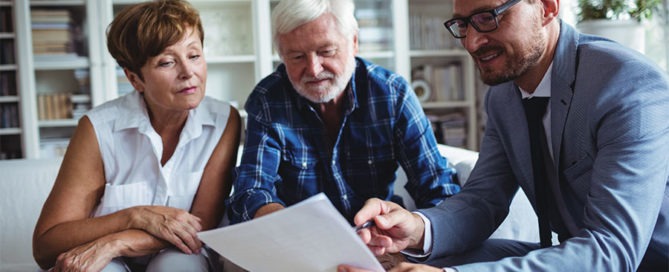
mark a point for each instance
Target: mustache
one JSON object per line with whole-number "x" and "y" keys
{"x": 321, "y": 76}
{"x": 485, "y": 50}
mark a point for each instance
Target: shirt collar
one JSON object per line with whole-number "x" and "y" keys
{"x": 135, "y": 115}
{"x": 544, "y": 87}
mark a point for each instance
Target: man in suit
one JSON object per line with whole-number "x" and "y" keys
{"x": 602, "y": 185}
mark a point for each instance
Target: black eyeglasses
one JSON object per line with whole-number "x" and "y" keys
{"x": 484, "y": 21}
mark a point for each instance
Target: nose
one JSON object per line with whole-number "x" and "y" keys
{"x": 314, "y": 65}
{"x": 473, "y": 40}
{"x": 186, "y": 69}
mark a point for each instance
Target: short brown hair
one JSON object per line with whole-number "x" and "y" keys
{"x": 143, "y": 30}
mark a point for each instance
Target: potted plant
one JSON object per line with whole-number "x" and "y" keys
{"x": 619, "y": 20}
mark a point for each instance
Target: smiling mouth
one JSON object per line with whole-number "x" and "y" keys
{"x": 488, "y": 57}
{"x": 487, "y": 54}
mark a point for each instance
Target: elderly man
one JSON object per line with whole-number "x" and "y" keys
{"x": 326, "y": 121}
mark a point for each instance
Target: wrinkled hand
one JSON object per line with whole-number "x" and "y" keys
{"x": 395, "y": 229}
{"x": 93, "y": 256}
{"x": 402, "y": 267}
{"x": 173, "y": 225}
{"x": 390, "y": 260}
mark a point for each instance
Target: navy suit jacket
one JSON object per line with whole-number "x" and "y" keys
{"x": 610, "y": 141}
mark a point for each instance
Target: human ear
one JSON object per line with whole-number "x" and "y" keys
{"x": 551, "y": 9}
{"x": 134, "y": 79}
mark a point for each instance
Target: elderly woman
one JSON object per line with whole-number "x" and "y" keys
{"x": 145, "y": 172}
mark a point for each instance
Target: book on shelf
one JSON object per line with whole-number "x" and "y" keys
{"x": 7, "y": 53}
{"x": 6, "y": 24}
{"x": 229, "y": 32}
{"x": 57, "y": 57}
{"x": 54, "y": 106}
{"x": 9, "y": 115}
{"x": 450, "y": 129}
{"x": 426, "y": 32}
{"x": 447, "y": 81}
{"x": 83, "y": 78}
{"x": 50, "y": 36}
{"x": 7, "y": 83}
{"x": 52, "y": 31}
{"x": 375, "y": 30}
{"x": 444, "y": 80}
{"x": 56, "y": 15}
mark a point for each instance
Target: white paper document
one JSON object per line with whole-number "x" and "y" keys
{"x": 308, "y": 236}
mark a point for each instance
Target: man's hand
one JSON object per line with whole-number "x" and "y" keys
{"x": 395, "y": 228}
{"x": 173, "y": 225}
{"x": 403, "y": 267}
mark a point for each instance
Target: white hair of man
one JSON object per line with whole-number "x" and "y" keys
{"x": 290, "y": 14}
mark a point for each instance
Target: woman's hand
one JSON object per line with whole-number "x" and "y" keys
{"x": 92, "y": 256}
{"x": 173, "y": 225}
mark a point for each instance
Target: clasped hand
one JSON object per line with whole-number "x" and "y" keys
{"x": 176, "y": 226}
{"x": 172, "y": 225}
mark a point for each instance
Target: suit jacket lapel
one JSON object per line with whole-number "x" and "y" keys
{"x": 515, "y": 132}
{"x": 563, "y": 79}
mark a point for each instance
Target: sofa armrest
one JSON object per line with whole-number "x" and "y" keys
{"x": 520, "y": 224}
{"x": 25, "y": 184}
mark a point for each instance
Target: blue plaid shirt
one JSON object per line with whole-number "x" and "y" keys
{"x": 287, "y": 156}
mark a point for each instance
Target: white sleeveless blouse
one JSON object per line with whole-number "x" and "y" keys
{"x": 131, "y": 152}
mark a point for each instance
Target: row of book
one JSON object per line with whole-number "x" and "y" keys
{"x": 9, "y": 115}
{"x": 7, "y": 52}
{"x": 427, "y": 32}
{"x": 442, "y": 82}
{"x": 6, "y": 24}
{"x": 450, "y": 129}
{"x": 7, "y": 83}
{"x": 52, "y": 33}
{"x": 54, "y": 106}
{"x": 10, "y": 145}
{"x": 58, "y": 106}
{"x": 229, "y": 32}
{"x": 375, "y": 26}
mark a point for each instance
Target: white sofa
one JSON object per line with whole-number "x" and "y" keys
{"x": 25, "y": 184}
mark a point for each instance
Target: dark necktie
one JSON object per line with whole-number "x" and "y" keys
{"x": 534, "y": 111}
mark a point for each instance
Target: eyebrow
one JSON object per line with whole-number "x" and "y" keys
{"x": 480, "y": 9}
